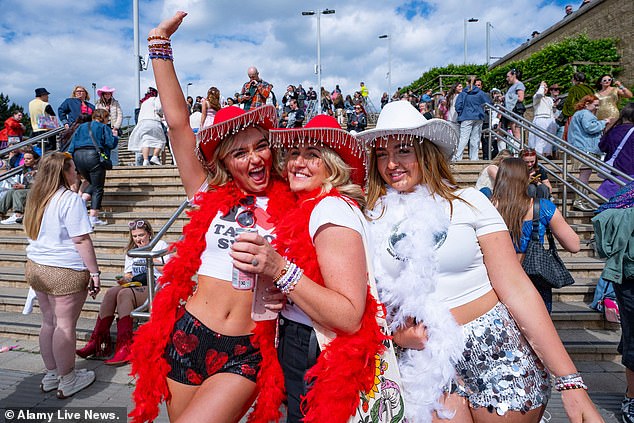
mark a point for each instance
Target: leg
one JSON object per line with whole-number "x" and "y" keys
{"x": 67, "y": 309}
{"x": 46, "y": 331}
{"x": 465, "y": 133}
{"x": 130, "y": 298}
{"x": 625, "y": 299}
{"x": 482, "y": 415}
{"x": 19, "y": 200}
{"x": 224, "y": 397}
{"x": 474, "y": 140}
{"x": 109, "y": 303}
{"x": 459, "y": 405}
{"x": 145, "y": 151}
{"x": 97, "y": 181}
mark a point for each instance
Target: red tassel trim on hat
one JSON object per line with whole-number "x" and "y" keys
{"x": 346, "y": 367}
{"x": 148, "y": 362}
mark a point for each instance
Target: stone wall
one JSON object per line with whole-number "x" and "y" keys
{"x": 598, "y": 19}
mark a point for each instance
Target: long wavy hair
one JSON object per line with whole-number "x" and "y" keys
{"x": 510, "y": 195}
{"x": 50, "y": 177}
{"x": 626, "y": 116}
{"x": 213, "y": 98}
{"x": 436, "y": 174}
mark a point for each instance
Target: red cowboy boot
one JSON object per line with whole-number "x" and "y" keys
{"x": 100, "y": 343}
{"x": 124, "y": 341}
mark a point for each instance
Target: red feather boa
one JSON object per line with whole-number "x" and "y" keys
{"x": 150, "y": 340}
{"x": 346, "y": 367}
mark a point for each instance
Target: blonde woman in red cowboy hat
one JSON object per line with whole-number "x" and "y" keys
{"x": 461, "y": 307}
{"x": 328, "y": 334}
{"x": 207, "y": 358}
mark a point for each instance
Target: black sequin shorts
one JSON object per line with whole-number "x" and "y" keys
{"x": 499, "y": 370}
{"x": 196, "y": 352}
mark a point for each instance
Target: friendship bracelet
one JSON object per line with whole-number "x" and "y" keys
{"x": 158, "y": 37}
{"x": 568, "y": 386}
{"x": 286, "y": 284}
{"x": 161, "y": 56}
{"x": 283, "y": 271}
{"x": 96, "y": 274}
{"x": 159, "y": 44}
{"x": 569, "y": 378}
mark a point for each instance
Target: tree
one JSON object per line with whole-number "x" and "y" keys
{"x": 6, "y": 111}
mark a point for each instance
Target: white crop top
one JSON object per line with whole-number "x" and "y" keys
{"x": 462, "y": 276}
{"x": 215, "y": 259}
{"x": 336, "y": 211}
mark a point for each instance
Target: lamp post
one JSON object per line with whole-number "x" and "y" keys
{"x": 466, "y": 21}
{"x": 318, "y": 13}
{"x": 94, "y": 90}
{"x": 187, "y": 89}
{"x": 137, "y": 57}
{"x": 389, "y": 62}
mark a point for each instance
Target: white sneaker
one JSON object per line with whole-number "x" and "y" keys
{"x": 50, "y": 381}
{"x": 10, "y": 220}
{"x": 95, "y": 221}
{"x": 146, "y": 162}
{"x": 155, "y": 160}
{"x": 74, "y": 382}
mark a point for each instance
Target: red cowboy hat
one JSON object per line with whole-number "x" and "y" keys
{"x": 325, "y": 131}
{"x": 228, "y": 121}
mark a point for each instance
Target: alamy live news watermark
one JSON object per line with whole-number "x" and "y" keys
{"x": 64, "y": 414}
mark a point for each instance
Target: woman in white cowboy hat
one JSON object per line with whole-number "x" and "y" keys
{"x": 108, "y": 102}
{"x": 460, "y": 304}
{"x": 329, "y": 335}
{"x": 208, "y": 359}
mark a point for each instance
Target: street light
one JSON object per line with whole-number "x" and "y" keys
{"x": 389, "y": 62}
{"x": 319, "y": 13}
{"x": 465, "y": 36}
{"x": 187, "y": 89}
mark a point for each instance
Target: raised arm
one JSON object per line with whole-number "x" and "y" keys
{"x": 183, "y": 141}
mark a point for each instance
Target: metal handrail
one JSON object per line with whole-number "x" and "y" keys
{"x": 149, "y": 256}
{"x": 569, "y": 181}
{"x": 33, "y": 140}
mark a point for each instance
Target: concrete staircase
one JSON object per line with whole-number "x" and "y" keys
{"x": 154, "y": 192}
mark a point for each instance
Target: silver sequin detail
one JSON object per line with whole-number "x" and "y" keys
{"x": 498, "y": 369}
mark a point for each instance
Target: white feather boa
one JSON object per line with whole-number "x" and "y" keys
{"x": 405, "y": 239}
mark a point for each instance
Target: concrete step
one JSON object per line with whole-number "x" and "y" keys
{"x": 577, "y": 315}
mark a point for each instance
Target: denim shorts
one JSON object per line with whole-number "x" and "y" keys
{"x": 196, "y": 352}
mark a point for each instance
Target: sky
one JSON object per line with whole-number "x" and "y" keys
{"x": 62, "y": 43}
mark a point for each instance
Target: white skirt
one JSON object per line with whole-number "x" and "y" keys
{"x": 549, "y": 125}
{"x": 147, "y": 133}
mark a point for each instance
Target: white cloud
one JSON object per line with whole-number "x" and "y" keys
{"x": 59, "y": 44}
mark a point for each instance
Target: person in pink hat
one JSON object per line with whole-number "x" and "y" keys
{"x": 108, "y": 102}
{"x": 200, "y": 351}
{"x": 320, "y": 266}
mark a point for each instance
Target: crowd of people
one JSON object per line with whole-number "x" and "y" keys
{"x": 356, "y": 242}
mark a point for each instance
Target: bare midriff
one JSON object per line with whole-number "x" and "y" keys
{"x": 476, "y": 308}
{"x": 221, "y": 307}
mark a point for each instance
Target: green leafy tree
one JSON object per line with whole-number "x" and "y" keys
{"x": 7, "y": 109}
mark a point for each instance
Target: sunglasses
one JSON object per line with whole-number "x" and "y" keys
{"x": 246, "y": 218}
{"x": 607, "y": 80}
{"x": 136, "y": 224}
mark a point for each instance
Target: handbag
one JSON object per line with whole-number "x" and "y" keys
{"x": 612, "y": 159}
{"x": 103, "y": 158}
{"x": 544, "y": 266}
{"x": 519, "y": 108}
{"x": 45, "y": 121}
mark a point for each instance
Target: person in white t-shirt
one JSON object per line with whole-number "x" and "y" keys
{"x": 460, "y": 305}
{"x": 61, "y": 267}
{"x": 122, "y": 299}
{"x": 320, "y": 266}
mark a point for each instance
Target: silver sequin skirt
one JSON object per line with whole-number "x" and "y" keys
{"x": 499, "y": 370}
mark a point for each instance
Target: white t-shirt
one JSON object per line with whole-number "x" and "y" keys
{"x": 462, "y": 276}
{"x": 65, "y": 217}
{"x": 330, "y": 210}
{"x": 222, "y": 232}
{"x": 138, "y": 265}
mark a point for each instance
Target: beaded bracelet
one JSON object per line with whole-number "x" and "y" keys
{"x": 158, "y": 37}
{"x": 286, "y": 283}
{"x": 283, "y": 271}
{"x": 571, "y": 381}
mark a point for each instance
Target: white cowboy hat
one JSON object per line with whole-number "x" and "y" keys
{"x": 400, "y": 118}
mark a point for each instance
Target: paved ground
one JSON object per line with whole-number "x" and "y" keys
{"x": 21, "y": 371}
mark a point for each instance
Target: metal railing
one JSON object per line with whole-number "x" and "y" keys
{"x": 559, "y": 173}
{"x": 144, "y": 310}
{"x": 34, "y": 140}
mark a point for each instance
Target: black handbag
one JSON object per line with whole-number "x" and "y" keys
{"x": 103, "y": 158}
{"x": 544, "y": 266}
{"x": 519, "y": 108}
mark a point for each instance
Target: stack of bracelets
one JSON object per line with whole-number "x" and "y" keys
{"x": 288, "y": 278}
{"x": 160, "y": 47}
{"x": 571, "y": 381}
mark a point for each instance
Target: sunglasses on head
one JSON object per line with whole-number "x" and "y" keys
{"x": 136, "y": 224}
{"x": 246, "y": 218}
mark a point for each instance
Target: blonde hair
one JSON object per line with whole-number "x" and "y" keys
{"x": 503, "y": 154}
{"x": 50, "y": 177}
{"x": 339, "y": 176}
{"x": 435, "y": 172}
{"x": 72, "y": 94}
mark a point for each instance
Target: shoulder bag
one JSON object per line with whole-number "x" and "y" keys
{"x": 103, "y": 158}
{"x": 544, "y": 266}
